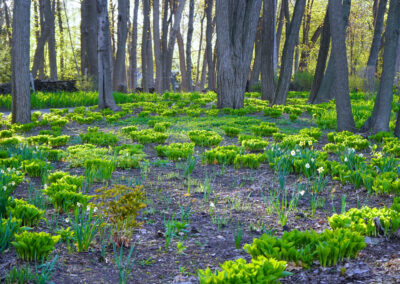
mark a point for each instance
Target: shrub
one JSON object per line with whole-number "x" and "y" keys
{"x": 29, "y": 214}
{"x": 260, "y": 270}
{"x": 255, "y": 145}
{"x": 96, "y": 137}
{"x": 98, "y": 169}
{"x": 223, "y": 155}
{"x": 265, "y": 129}
{"x": 35, "y": 168}
{"x": 205, "y": 138}
{"x": 162, "y": 126}
{"x": 34, "y": 246}
{"x": 121, "y": 205}
{"x": 58, "y": 141}
{"x": 128, "y": 129}
{"x": 175, "y": 151}
{"x": 302, "y": 140}
{"x": 231, "y": 131}
{"x": 147, "y": 136}
{"x": 251, "y": 161}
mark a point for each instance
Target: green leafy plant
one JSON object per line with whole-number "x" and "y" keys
{"x": 34, "y": 246}
{"x": 147, "y": 136}
{"x": 231, "y": 131}
{"x": 85, "y": 226}
{"x": 124, "y": 268}
{"x": 175, "y": 151}
{"x": 205, "y": 138}
{"x": 265, "y": 129}
{"x": 28, "y": 213}
{"x": 96, "y": 137}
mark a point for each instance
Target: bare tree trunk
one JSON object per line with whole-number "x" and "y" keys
{"x": 145, "y": 42}
{"x": 326, "y": 90}
{"x": 150, "y": 63}
{"x": 52, "y": 42}
{"x": 287, "y": 57}
{"x": 106, "y": 99}
{"x": 305, "y": 54}
{"x": 322, "y": 58}
{"x": 133, "y": 53}
{"x": 345, "y": 119}
{"x": 397, "y": 70}
{"x": 255, "y": 72}
{"x": 21, "y": 98}
{"x": 305, "y": 40}
{"x": 267, "y": 50}
{"x": 164, "y": 79}
{"x": 209, "y": 33}
{"x": 182, "y": 65}
{"x": 236, "y": 32}
{"x": 281, "y": 21}
{"x": 199, "y": 51}
{"x": 171, "y": 42}
{"x": 89, "y": 60}
{"x": 8, "y": 22}
{"x": 157, "y": 45}
{"x": 38, "y": 59}
{"x": 380, "y": 118}
{"x": 370, "y": 70}
{"x": 119, "y": 79}
{"x": 203, "y": 74}
{"x": 61, "y": 40}
{"x": 189, "y": 47}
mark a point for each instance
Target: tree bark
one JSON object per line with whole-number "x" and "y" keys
{"x": 326, "y": 90}
{"x": 380, "y": 117}
{"x": 119, "y": 77}
{"x": 199, "y": 51}
{"x": 370, "y": 70}
{"x": 133, "y": 52}
{"x": 305, "y": 40}
{"x": 236, "y": 30}
{"x": 344, "y": 113}
{"x": 267, "y": 50}
{"x": 38, "y": 59}
{"x": 287, "y": 56}
{"x": 52, "y": 42}
{"x": 106, "y": 99}
{"x": 157, "y": 45}
{"x": 145, "y": 42}
{"x": 255, "y": 72}
{"x": 209, "y": 33}
{"x": 189, "y": 47}
{"x": 182, "y": 66}
{"x": 61, "y": 40}
{"x": 89, "y": 60}
{"x": 21, "y": 98}
{"x": 322, "y": 58}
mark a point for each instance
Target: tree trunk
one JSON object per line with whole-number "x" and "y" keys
{"x": 145, "y": 42}
{"x": 119, "y": 79}
{"x": 255, "y": 72}
{"x": 326, "y": 90}
{"x": 281, "y": 21}
{"x": 344, "y": 113}
{"x": 267, "y": 50}
{"x": 236, "y": 31}
{"x": 157, "y": 45}
{"x": 38, "y": 59}
{"x": 322, "y": 58}
{"x": 52, "y": 42}
{"x": 182, "y": 66}
{"x": 133, "y": 52}
{"x": 189, "y": 47}
{"x": 305, "y": 54}
{"x": 209, "y": 33}
{"x": 150, "y": 63}
{"x": 164, "y": 79}
{"x": 21, "y": 98}
{"x": 287, "y": 55}
{"x": 305, "y": 40}
{"x": 61, "y": 40}
{"x": 89, "y": 60}
{"x": 171, "y": 42}
{"x": 106, "y": 99}
{"x": 380, "y": 118}
{"x": 397, "y": 70}
{"x": 370, "y": 70}
{"x": 199, "y": 51}
{"x": 203, "y": 74}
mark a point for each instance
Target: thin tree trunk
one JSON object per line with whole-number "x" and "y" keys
{"x": 145, "y": 41}
{"x": 255, "y": 72}
{"x": 61, "y": 38}
{"x": 305, "y": 54}
{"x": 344, "y": 113}
{"x": 21, "y": 98}
{"x": 287, "y": 57}
{"x": 380, "y": 118}
{"x": 182, "y": 66}
{"x": 209, "y": 33}
{"x": 306, "y": 31}
{"x": 157, "y": 45}
{"x": 199, "y": 51}
{"x": 133, "y": 52}
{"x": 326, "y": 90}
{"x": 370, "y": 70}
{"x": 150, "y": 63}
{"x": 281, "y": 21}
{"x": 397, "y": 70}
{"x": 106, "y": 99}
{"x": 267, "y": 51}
{"x": 52, "y": 42}
{"x": 189, "y": 47}
{"x": 119, "y": 79}
{"x": 203, "y": 74}
{"x": 89, "y": 58}
{"x": 322, "y": 58}
{"x": 236, "y": 31}
{"x": 165, "y": 80}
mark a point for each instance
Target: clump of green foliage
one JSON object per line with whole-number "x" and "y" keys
{"x": 223, "y": 155}
{"x": 147, "y": 136}
{"x": 175, "y": 151}
{"x": 205, "y": 138}
{"x": 96, "y": 137}
{"x": 265, "y": 129}
{"x": 32, "y": 246}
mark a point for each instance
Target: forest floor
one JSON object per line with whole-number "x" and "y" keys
{"x": 236, "y": 200}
